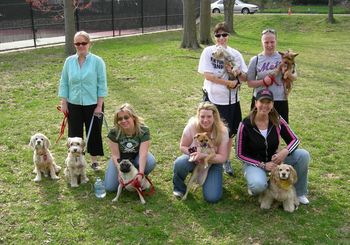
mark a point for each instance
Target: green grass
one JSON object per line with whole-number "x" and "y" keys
{"x": 307, "y": 9}
{"x": 162, "y": 82}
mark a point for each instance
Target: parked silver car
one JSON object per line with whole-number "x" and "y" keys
{"x": 244, "y": 8}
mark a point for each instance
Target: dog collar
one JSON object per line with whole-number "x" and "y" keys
{"x": 285, "y": 185}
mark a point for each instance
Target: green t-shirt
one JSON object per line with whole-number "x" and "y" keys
{"x": 129, "y": 146}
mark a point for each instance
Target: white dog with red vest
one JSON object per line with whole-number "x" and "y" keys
{"x": 44, "y": 164}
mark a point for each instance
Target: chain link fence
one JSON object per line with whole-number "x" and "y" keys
{"x": 20, "y": 22}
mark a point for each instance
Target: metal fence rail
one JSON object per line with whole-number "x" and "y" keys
{"x": 20, "y": 21}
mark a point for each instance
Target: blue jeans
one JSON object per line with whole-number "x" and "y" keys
{"x": 111, "y": 176}
{"x": 212, "y": 187}
{"x": 299, "y": 159}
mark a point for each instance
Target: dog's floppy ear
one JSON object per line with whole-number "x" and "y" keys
{"x": 275, "y": 175}
{"x": 47, "y": 142}
{"x": 281, "y": 53}
{"x": 32, "y": 142}
{"x": 83, "y": 144}
{"x": 196, "y": 136}
{"x": 68, "y": 142}
{"x": 293, "y": 175}
{"x": 295, "y": 54}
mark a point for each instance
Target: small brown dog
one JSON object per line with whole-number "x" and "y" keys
{"x": 281, "y": 188}
{"x": 200, "y": 172}
{"x": 44, "y": 163}
{"x": 127, "y": 173}
{"x": 288, "y": 66}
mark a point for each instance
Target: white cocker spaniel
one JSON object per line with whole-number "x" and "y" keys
{"x": 44, "y": 164}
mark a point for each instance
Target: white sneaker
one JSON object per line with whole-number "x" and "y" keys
{"x": 178, "y": 194}
{"x": 303, "y": 200}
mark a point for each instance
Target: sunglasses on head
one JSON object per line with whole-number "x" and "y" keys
{"x": 218, "y": 35}
{"x": 126, "y": 117}
{"x": 268, "y": 31}
{"x": 82, "y": 43}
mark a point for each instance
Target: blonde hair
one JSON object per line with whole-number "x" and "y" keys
{"x": 138, "y": 121}
{"x": 219, "y": 128}
{"x": 83, "y": 34}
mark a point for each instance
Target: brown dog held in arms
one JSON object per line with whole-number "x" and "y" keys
{"x": 288, "y": 70}
{"x": 44, "y": 163}
{"x": 200, "y": 172}
{"x": 281, "y": 188}
{"x": 127, "y": 173}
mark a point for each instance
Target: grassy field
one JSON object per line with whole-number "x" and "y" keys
{"x": 162, "y": 82}
{"x": 308, "y": 9}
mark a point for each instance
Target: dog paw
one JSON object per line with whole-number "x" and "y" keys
{"x": 55, "y": 177}
{"x": 84, "y": 181}
{"x": 74, "y": 185}
{"x": 115, "y": 200}
{"x": 37, "y": 179}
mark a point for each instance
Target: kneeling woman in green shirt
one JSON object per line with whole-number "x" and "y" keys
{"x": 128, "y": 139}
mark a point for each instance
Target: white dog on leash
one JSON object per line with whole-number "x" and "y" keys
{"x": 75, "y": 170}
{"x": 42, "y": 158}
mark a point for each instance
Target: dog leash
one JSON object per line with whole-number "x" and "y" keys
{"x": 92, "y": 121}
{"x": 63, "y": 124}
{"x": 137, "y": 186}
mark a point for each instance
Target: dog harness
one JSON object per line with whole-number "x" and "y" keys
{"x": 137, "y": 186}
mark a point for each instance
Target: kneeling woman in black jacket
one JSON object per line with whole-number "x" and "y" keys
{"x": 258, "y": 139}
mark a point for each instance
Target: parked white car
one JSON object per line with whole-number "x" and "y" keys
{"x": 244, "y": 8}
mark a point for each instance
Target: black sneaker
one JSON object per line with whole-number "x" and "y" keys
{"x": 95, "y": 166}
{"x": 227, "y": 168}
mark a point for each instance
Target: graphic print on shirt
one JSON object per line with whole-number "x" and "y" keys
{"x": 217, "y": 64}
{"x": 129, "y": 145}
{"x": 268, "y": 66}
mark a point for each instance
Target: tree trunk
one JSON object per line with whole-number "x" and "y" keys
{"x": 189, "y": 38}
{"x": 228, "y": 12}
{"x": 69, "y": 26}
{"x": 330, "y": 12}
{"x": 205, "y": 23}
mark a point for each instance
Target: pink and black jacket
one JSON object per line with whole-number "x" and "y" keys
{"x": 253, "y": 148}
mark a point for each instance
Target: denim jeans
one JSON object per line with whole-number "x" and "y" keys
{"x": 212, "y": 187}
{"x": 111, "y": 176}
{"x": 257, "y": 179}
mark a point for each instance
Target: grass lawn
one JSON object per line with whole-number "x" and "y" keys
{"x": 308, "y": 9}
{"x": 162, "y": 82}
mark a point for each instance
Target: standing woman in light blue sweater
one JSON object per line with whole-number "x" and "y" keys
{"x": 82, "y": 89}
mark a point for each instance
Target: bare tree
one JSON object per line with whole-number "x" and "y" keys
{"x": 205, "y": 23}
{"x": 69, "y": 27}
{"x": 330, "y": 12}
{"x": 67, "y": 12}
{"x": 228, "y": 12}
{"x": 189, "y": 38}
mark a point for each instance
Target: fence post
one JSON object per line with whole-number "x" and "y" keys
{"x": 113, "y": 17}
{"x": 32, "y": 21}
{"x": 166, "y": 14}
{"x": 142, "y": 15}
{"x": 76, "y": 14}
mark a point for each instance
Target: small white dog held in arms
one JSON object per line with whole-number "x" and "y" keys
{"x": 127, "y": 174}
{"x": 281, "y": 188}
{"x": 42, "y": 158}
{"x": 75, "y": 170}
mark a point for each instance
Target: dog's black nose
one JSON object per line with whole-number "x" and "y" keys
{"x": 75, "y": 150}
